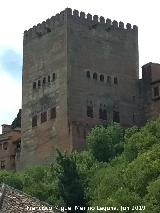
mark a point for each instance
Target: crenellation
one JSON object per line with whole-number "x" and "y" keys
{"x": 89, "y": 17}
{"x": 128, "y": 26}
{"x": 62, "y": 15}
{"x": 82, "y": 15}
{"x": 102, "y": 20}
{"x": 68, "y": 11}
{"x": 95, "y": 19}
{"x": 108, "y": 22}
{"x": 76, "y": 13}
{"x": 114, "y": 24}
{"x": 57, "y": 17}
{"x": 47, "y": 26}
{"x": 121, "y": 25}
{"x": 135, "y": 28}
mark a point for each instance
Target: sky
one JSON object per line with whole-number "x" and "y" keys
{"x": 19, "y": 15}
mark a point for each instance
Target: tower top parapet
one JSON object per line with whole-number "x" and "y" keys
{"x": 60, "y": 18}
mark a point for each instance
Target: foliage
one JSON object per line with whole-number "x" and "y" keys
{"x": 133, "y": 177}
{"x": 70, "y": 186}
{"x": 17, "y": 121}
{"x": 106, "y": 143}
{"x": 120, "y": 168}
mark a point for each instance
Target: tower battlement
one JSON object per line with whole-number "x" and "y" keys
{"x": 92, "y": 21}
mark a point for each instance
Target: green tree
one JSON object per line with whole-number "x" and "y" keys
{"x": 106, "y": 143}
{"x": 152, "y": 198}
{"x": 70, "y": 186}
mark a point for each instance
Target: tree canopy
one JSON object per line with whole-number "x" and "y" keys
{"x": 121, "y": 167}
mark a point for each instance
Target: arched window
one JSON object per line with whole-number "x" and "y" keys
{"x": 43, "y": 117}
{"x": 53, "y": 113}
{"x": 115, "y": 80}
{"x": 105, "y": 114}
{"x": 95, "y": 75}
{"x": 34, "y": 121}
{"x": 101, "y": 77}
{"x": 133, "y": 117}
{"x": 34, "y": 85}
{"x": 53, "y": 76}
{"x": 39, "y": 83}
{"x": 116, "y": 117}
{"x": 90, "y": 111}
{"x": 88, "y": 74}
{"x": 49, "y": 78}
{"x": 100, "y": 113}
{"x": 44, "y": 80}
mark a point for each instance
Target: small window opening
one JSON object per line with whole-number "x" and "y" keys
{"x": 34, "y": 85}
{"x": 39, "y": 83}
{"x": 95, "y": 76}
{"x": 53, "y": 76}
{"x": 3, "y": 166}
{"x": 49, "y": 79}
{"x": 105, "y": 114}
{"x": 90, "y": 111}
{"x": 116, "y": 117}
{"x": 44, "y": 80}
{"x": 133, "y": 117}
{"x": 88, "y": 74}
{"x": 102, "y": 114}
{"x": 43, "y": 117}
{"x": 5, "y": 146}
{"x": 115, "y": 80}
{"x": 156, "y": 91}
{"x": 101, "y": 77}
{"x": 34, "y": 121}
{"x": 53, "y": 113}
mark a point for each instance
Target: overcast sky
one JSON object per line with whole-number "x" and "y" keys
{"x": 19, "y": 15}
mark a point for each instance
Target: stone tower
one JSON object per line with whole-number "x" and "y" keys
{"x": 78, "y": 71}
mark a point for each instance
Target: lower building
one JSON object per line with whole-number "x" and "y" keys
{"x": 10, "y": 143}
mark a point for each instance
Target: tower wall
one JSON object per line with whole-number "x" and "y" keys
{"x": 44, "y": 92}
{"x": 151, "y": 91}
{"x": 108, "y": 49}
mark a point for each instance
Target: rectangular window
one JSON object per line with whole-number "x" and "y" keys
{"x": 3, "y": 164}
{"x": 53, "y": 113}
{"x": 156, "y": 91}
{"x": 90, "y": 111}
{"x": 34, "y": 85}
{"x": 116, "y": 117}
{"x": 115, "y": 80}
{"x": 133, "y": 117}
{"x": 43, "y": 117}
{"x": 34, "y": 121}
{"x": 39, "y": 83}
{"x": 5, "y": 145}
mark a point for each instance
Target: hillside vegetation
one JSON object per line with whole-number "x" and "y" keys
{"x": 121, "y": 167}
